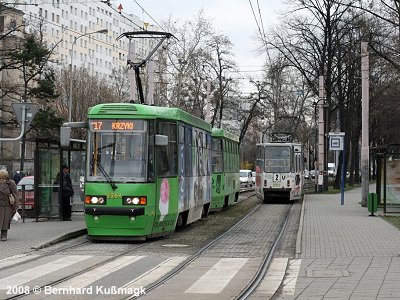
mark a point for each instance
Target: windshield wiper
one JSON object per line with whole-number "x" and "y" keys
{"x": 104, "y": 172}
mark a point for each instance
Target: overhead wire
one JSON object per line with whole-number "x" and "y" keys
{"x": 158, "y": 24}
{"x": 143, "y": 10}
{"x": 261, "y": 20}
{"x": 260, "y": 28}
{"x": 262, "y": 32}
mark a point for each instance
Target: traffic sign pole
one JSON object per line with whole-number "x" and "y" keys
{"x": 24, "y": 112}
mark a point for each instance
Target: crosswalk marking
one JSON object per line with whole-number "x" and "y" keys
{"x": 89, "y": 277}
{"x": 155, "y": 273}
{"x": 289, "y": 282}
{"x": 216, "y": 279}
{"x": 31, "y": 274}
{"x": 272, "y": 280}
{"x": 16, "y": 259}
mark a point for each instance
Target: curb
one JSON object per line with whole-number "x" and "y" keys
{"x": 61, "y": 238}
{"x": 300, "y": 231}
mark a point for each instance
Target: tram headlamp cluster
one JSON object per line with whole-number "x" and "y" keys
{"x": 98, "y": 200}
{"x": 134, "y": 200}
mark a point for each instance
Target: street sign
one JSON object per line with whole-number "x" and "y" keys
{"x": 336, "y": 141}
{"x": 30, "y": 112}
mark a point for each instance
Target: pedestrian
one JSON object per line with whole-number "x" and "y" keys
{"x": 17, "y": 177}
{"x": 67, "y": 192}
{"x": 7, "y": 209}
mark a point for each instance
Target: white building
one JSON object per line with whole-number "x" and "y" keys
{"x": 63, "y": 21}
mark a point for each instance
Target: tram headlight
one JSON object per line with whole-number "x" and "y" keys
{"x": 98, "y": 200}
{"x": 134, "y": 200}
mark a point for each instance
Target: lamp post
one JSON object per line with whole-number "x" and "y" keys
{"x": 105, "y": 31}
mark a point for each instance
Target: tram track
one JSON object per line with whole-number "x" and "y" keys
{"x": 45, "y": 253}
{"x": 245, "y": 195}
{"x": 262, "y": 270}
{"x": 259, "y": 274}
{"x": 192, "y": 258}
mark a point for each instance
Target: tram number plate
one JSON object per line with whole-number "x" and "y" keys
{"x": 279, "y": 177}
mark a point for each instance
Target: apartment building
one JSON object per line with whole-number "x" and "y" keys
{"x": 64, "y": 21}
{"x": 71, "y": 28}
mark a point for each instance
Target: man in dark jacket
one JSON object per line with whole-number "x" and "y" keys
{"x": 67, "y": 193}
{"x": 17, "y": 177}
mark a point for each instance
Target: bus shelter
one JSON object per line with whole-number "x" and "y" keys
{"x": 388, "y": 178}
{"x": 49, "y": 158}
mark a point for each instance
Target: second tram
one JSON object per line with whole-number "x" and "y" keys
{"x": 225, "y": 169}
{"x": 279, "y": 171}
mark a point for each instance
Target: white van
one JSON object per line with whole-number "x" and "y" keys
{"x": 246, "y": 178}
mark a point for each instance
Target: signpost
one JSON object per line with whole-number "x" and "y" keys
{"x": 25, "y": 112}
{"x": 336, "y": 143}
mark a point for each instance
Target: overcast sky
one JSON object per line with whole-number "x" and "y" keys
{"x": 233, "y": 18}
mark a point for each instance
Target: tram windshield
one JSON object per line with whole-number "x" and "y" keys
{"x": 277, "y": 159}
{"x": 118, "y": 151}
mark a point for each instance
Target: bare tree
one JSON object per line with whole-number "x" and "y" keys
{"x": 322, "y": 38}
{"x": 222, "y": 64}
{"x": 88, "y": 90}
{"x": 185, "y": 59}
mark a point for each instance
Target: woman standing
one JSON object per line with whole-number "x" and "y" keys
{"x": 7, "y": 210}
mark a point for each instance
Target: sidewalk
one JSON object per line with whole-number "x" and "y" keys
{"x": 31, "y": 235}
{"x": 345, "y": 253}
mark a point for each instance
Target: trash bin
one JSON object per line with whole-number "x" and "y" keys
{"x": 372, "y": 203}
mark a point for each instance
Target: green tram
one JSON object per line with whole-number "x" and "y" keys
{"x": 225, "y": 169}
{"x": 148, "y": 170}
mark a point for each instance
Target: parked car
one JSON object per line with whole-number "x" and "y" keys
{"x": 331, "y": 170}
{"x": 27, "y": 182}
{"x": 246, "y": 178}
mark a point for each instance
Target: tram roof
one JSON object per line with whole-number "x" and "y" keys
{"x": 219, "y": 132}
{"x": 132, "y": 110}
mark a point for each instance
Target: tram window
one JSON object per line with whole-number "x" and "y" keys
{"x": 216, "y": 156}
{"x": 277, "y": 159}
{"x": 208, "y": 154}
{"x": 181, "y": 134}
{"x": 167, "y": 157}
{"x": 188, "y": 151}
{"x": 224, "y": 149}
{"x": 198, "y": 152}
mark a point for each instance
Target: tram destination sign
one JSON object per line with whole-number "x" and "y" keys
{"x": 116, "y": 125}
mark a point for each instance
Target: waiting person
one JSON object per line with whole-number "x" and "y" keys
{"x": 17, "y": 177}
{"x": 67, "y": 192}
{"x": 7, "y": 209}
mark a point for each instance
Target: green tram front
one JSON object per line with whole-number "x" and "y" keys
{"x": 148, "y": 170}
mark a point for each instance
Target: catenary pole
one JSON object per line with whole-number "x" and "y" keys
{"x": 364, "y": 123}
{"x": 321, "y": 133}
